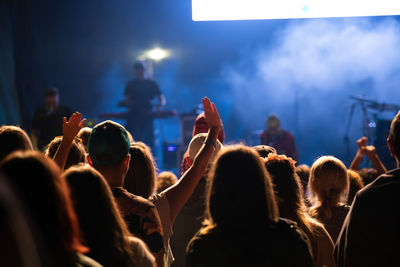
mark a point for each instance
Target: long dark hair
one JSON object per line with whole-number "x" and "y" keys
{"x": 45, "y": 195}
{"x": 289, "y": 192}
{"x": 141, "y": 176}
{"x": 102, "y": 226}
{"x": 239, "y": 184}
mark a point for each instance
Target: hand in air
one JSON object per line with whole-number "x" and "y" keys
{"x": 370, "y": 151}
{"x": 211, "y": 114}
{"x": 362, "y": 142}
{"x": 72, "y": 126}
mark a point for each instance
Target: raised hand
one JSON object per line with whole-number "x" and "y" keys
{"x": 72, "y": 126}
{"x": 362, "y": 142}
{"x": 211, "y": 114}
{"x": 70, "y": 130}
{"x": 370, "y": 151}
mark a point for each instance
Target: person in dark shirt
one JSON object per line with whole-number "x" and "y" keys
{"x": 47, "y": 121}
{"x": 139, "y": 94}
{"x": 370, "y": 234}
{"x": 280, "y": 139}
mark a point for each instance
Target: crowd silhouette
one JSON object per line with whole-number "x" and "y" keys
{"x": 94, "y": 197}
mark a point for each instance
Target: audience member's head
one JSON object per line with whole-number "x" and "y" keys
{"x": 197, "y": 142}
{"x": 328, "y": 185}
{"x": 286, "y": 184}
{"x": 102, "y": 226}
{"x": 76, "y": 154}
{"x": 264, "y": 150}
{"x": 13, "y": 138}
{"x": 289, "y": 191}
{"x": 84, "y": 134}
{"x": 201, "y": 126}
{"x": 108, "y": 148}
{"x": 394, "y": 138}
{"x": 303, "y": 171}
{"x": 239, "y": 183}
{"x": 46, "y": 196}
{"x": 17, "y": 243}
{"x": 368, "y": 175}
{"x": 140, "y": 179}
{"x": 165, "y": 180}
{"x": 355, "y": 184}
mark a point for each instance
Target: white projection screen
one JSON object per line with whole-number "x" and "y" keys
{"x": 214, "y": 10}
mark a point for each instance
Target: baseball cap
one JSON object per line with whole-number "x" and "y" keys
{"x": 108, "y": 143}
{"x": 197, "y": 142}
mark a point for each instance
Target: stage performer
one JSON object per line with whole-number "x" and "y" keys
{"x": 139, "y": 94}
{"x": 280, "y": 139}
{"x": 48, "y": 119}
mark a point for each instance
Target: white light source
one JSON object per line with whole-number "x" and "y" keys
{"x": 156, "y": 54}
{"x": 210, "y": 10}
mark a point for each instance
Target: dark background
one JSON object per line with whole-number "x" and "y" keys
{"x": 87, "y": 49}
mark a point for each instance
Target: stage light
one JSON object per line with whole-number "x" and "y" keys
{"x": 212, "y": 10}
{"x": 157, "y": 54}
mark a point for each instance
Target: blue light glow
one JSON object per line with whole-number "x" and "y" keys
{"x": 210, "y": 10}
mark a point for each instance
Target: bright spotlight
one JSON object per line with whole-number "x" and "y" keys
{"x": 211, "y": 10}
{"x": 157, "y": 54}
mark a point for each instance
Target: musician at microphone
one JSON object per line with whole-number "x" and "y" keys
{"x": 48, "y": 119}
{"x": 139, "y": 95}
{"x": 282, "y": 140}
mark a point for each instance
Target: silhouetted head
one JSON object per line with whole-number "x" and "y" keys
{"x": 303, "y": 171}
{"x": 108, "y": 148}
{"x": 13, "y": 138}
{"x": 138, "y": 67}
{"x": 52, "y": 98}
{"x": 329, "y": 183}
{"x": 76, "y": 154}
{"x": 84, "y": 134}
{"x": 140, "y": 178}
{"x": 286, "y": 184}
{"x": 102, "y": 226}
{"x": 18, "y": 245}
{"x": 165, "y": 180}
{"x": 240, "y": 195}
{"x": 45, "y": 195}
{"x": 355, "y": 185}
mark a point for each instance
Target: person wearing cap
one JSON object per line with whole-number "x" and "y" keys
{"x": 191, "y": 217}
{"x": 200, "y": 126}
{"x": 47, "y": 120}
{"x": 108, "y": 153}
{"x": 108, "y": 148}
{"x": 278, "y": 138}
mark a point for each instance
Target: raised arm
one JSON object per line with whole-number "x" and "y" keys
{"x": 355, "y": 164}
{"x": 370, "y": 151}
{"x": 70, "y": 130}
{"x": 179, "y": 193}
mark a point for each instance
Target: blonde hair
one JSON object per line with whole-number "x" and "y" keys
{"x": 328, "y": 186}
